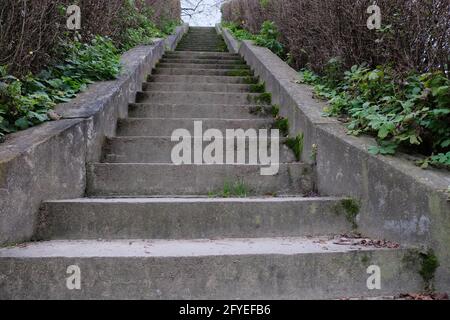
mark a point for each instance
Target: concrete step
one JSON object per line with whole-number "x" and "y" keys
{"x": 196, "y": 87}
{"x": 202, "y": 72}
{"x": 202, "y": 66}
{"x": 202, "y": 43}
{"x": 159, "y": 150}
{"x": 147, "y": 110}
{"x": 200, "y": 79}
{"x": 202, "y": 55}
{"x": 157, "y": 127}
{"x": 108, "y": 179}
{"x": 190, "y": 218}
{"x": 205, "y": 47}
{"x": 211, "y": 44}
{"x": 201, "y": 37}
{"x": 259, "y": 269}
{"x": 203, "y": 61}
{"x": 166, "y": 97}
{"x": 201, "y": 49}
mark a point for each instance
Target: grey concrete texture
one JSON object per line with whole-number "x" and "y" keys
{"x": 400, "y": 201}
{"x": 197, "y": 79}
{"x": 166, "y": 97}
{"x": 198, "y": 87}
{"x": 110, "y": 179}
{"x": 191, "y": 218}
{"x": 232, "y": 44}
{"x": 44, "y": 162}
{"x": 166, "y": 127}
{"x": 203, "y": 55}
{"x": 202, "y": 61}
{"x": 156, "y": 110}
{"x": 198, "y": 72}
{"x": 230, "y": 268}
{"x": 159, "y": 149}
{"x": 202, "y": 66}
{"x": 48, "y": 161}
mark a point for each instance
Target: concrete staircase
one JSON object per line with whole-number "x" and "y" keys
{"x": 149, "y": 229}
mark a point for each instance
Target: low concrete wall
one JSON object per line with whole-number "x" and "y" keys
{"x": 400, "y": 201}
{"x": 232, "y": 44}
{"x": 49, "y": 161}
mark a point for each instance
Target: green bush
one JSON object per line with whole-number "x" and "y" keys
{"x": 140, "y": 30}
{"x": 238, "y": 32}
{"x": 27, "y": 102}
{"x": 268, "y": 36}
{"x": 411, "y": 112}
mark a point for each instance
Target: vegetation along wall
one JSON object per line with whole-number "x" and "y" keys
{"x": 44, "y": 63}
{"x": 391, "y": 82}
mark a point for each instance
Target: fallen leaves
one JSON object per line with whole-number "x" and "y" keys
{"x": 358, "y": 240}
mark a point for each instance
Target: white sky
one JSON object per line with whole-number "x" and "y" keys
{"x": 207, "y": 13}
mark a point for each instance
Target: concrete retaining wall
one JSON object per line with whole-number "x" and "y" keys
{"x": 49, "y": 161}
{"x": 232, "y": 44}
{"x": 400, "y": 201}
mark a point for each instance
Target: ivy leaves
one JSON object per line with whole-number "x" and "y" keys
{"x": 29, "y": 101}
{"x": 411, "y": 112}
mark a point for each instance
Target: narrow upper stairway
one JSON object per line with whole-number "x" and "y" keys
{"x": 151, "y": 229}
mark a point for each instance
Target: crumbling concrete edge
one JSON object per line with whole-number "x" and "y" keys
{"x": 399, "y": 201}
{"x": 48, "y": 162}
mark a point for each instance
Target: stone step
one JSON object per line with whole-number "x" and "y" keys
{"x": 203, "y": 61}
{"x": 196, "y": 87}
{"x": 144, "y": 110}
{"x": 229, "y": 269}
{"x": 201, "y": 49}
{"x": 202, "y": 66}
{"x": 201, "y": 44}
{"x": 203, "y": 72}
{"x": 166, "y": 97}
{"x": 109, "y": 179}
{"x": 159, "y": 149}
{"x": 200, "y": 79}
{"x": 201, "y": 36}
{"x": 191, "y": 218}
{"x": 202, "y": 55}
{"x": 157, "y": 127}
{"x": 202, "y": 40}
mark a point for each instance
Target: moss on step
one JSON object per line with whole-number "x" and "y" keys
{"x": 282, "y": 124}
{"x": 258, "y": 88}
{"x": 365, "y": 259}
{"x": 239, "y": 73}
{"x": 350, "y": 208}
{"x": 428, "y": 263}
{"x": 222, "y": 47}
{"x": 232, "y": 190}
{"x": 275, "y": 110}
{"x": 264, "y": 98}
{"x": 296, "y": 145}
{"x": 250, "y": 80}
